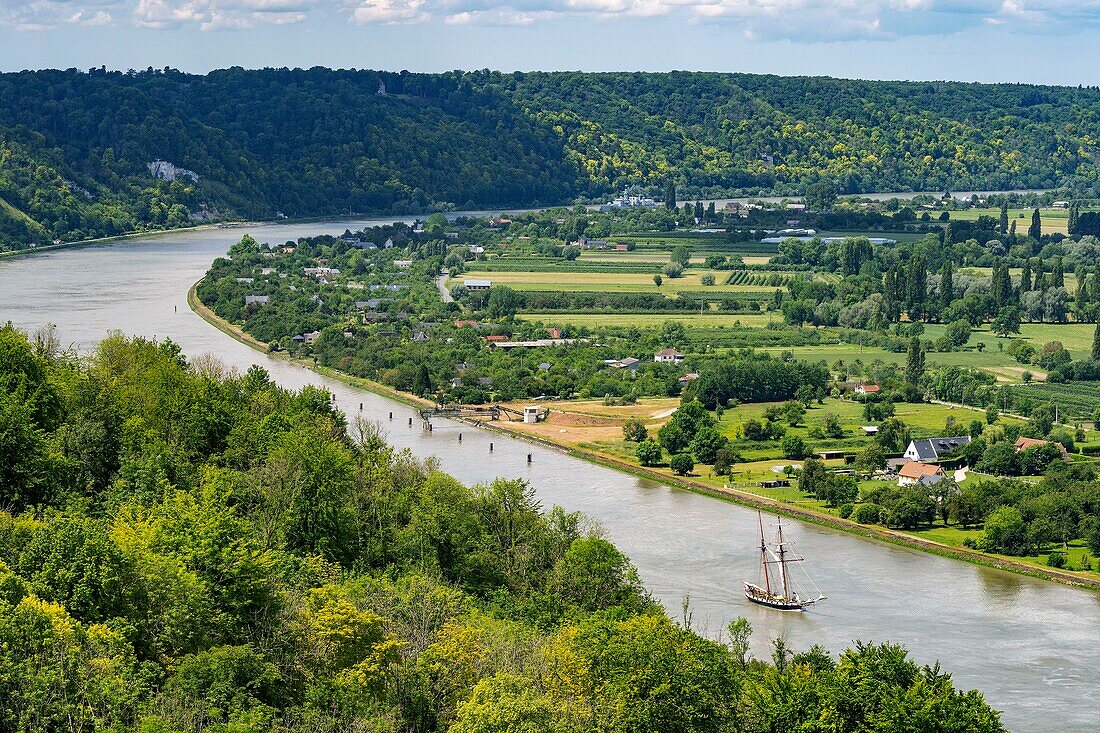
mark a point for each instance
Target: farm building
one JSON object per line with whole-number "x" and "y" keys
{"x": 477, "y": 284}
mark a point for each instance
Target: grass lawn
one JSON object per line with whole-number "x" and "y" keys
{"x": 954, "y": 536}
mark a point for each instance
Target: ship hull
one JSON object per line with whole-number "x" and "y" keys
{"x": 759, "y": 595}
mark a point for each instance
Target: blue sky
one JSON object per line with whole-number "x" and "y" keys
{"x": 1042, "y": 41}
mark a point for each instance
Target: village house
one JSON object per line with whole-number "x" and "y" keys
{"x": 866, "y": 389}
{"x": 932, "y": 449}
{"x": 689, "y": 377}
{"x": 536, "y": 344}
{"x": 668, "y": 356}
{"x": 321, "y": 272}
{"x": 1023, "y": 444}
{"x": 258, "y": 299}
{"x": 628, "y": 363}
{"x": 913, "y": 472}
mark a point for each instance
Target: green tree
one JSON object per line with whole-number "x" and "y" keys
{"x": 681, "y": 464}
{"x": 793, "y": 446}
{"x": 649, "y": 452}
{"x": 871, "y": 459}
{"x": 706, "y": 444}
{"x": 1007, "y": 321}
{"x": 1035, "y": 231}
{"x": 914, "y": 363}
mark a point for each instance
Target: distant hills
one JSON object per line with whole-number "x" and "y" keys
{"x": 97, "y": 153}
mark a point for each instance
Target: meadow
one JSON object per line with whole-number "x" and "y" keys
{"x": 1054, "y": 221}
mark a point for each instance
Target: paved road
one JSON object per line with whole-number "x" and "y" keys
{"x": 441, "y": 283}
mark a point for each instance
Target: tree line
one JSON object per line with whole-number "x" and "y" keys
{"x": 187, "y": 548}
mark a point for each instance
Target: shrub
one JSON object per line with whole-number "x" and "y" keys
{"x": 634, "y": 430}
{"x": 846, "y": 510}
{"x": 868, "y": 513}
{"x": 1056, "y": 560}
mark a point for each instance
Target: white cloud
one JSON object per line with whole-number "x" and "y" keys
{"x": 390, "y": 11}
{"x": 804, "y": 20}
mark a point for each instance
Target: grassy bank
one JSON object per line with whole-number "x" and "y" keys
{"x": 723, "y": 492}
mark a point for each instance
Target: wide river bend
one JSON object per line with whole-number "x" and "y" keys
{"x": 1032, "y": 646}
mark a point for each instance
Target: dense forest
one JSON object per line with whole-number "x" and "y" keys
{"x": 76, "y": 148}
{"x": 188, "y": 549}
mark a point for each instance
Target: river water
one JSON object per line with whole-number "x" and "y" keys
{"x": 1033, "y": 647}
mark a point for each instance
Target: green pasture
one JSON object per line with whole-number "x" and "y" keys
{"x": 1054, "y": 220}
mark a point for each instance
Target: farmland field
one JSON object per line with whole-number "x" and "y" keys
{"x": 1075, "y": 400}
{"x": 655, "y": 320}
{"x": 1054, "y": 220}
{"x": 626, "y": 282}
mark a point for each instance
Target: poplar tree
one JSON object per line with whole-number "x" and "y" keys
{"x": 914, "y": 363}
{"x": 670, "y": 195}
{"x": 1058, "y": 276}
{"x": 947, "y": 285}
{"x": 1035, "y": 231}
{"x": 1096, "y": 343}
{"x": 1004, "y": 218}
{"x": 918, "y": 289}
{"x": 1025, "y": 276}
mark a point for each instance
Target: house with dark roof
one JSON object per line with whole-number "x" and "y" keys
{"x": 933, "y": 449}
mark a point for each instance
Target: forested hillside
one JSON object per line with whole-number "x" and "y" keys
{"x": 76, "y": 147}
{"x": 185, "y": 549}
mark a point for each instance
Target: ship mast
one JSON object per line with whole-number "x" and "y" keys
{"x": 783, "y": 560}
{"x": 764, "y": 556}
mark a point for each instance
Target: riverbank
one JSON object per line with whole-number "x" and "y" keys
{"x": 119, "y": 238}
{"x": 725, "y": 493}
{"x": 202, "y": 311}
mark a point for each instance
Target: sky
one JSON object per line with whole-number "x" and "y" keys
{"x": 1035, "y": 41}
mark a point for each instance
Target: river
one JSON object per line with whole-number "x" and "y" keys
{"x": 1033, "y": 647}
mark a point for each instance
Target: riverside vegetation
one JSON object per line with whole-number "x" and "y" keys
{"x": 974, "y": 322}
{"x": 188, "y": 549}
{"x": 76, "y": 147}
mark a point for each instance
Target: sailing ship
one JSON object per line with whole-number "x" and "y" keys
{"x": 778, "y": 592}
